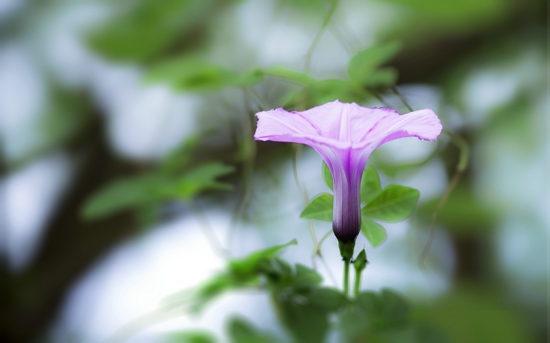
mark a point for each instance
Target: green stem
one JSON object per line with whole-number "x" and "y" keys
{"x": 357, "y": 284}
{"x": 346, "y": 251}
{"x": 346, "y": 276}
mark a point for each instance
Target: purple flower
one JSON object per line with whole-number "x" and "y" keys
{"x": 345, "y": 135}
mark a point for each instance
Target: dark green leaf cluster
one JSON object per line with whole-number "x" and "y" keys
{"x": 391, "y": 204}
{"x": 307, "y": 309}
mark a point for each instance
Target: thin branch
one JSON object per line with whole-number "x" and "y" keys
{"x": 402, "y": 98}
{"x": 207, "y": 229}
{"x": 464, "y": 151}
{"x": 319, "y": 34}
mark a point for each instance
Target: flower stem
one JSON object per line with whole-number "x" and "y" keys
{"x": 346, "y": 276}
{"x": 357, "y": 284}
{"x": 346, "y": 251}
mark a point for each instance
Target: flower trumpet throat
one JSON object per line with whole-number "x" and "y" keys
{"x": 345, "y": 135}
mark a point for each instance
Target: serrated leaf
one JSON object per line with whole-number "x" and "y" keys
{"x": 375, "y": 233}
{"x": 393, "y": 204}
{"x": 327, "y": 176}
{"x": 370, "y": 184}
{"x": 363, "y": 65}
{"x": 319, "y": 208}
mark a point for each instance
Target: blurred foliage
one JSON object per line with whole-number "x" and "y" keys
{"x": 305, "y": 307}
{"x": 170, "y": 41}
{"x": 176, "y": 179}
{"x": 143, "y": 30}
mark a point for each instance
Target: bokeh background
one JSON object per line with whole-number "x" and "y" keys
{"x": 98, "y": 98}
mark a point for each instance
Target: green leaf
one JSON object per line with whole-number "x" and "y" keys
{"x": 374, "y": 232}
{"x": 327, "y": 176}
{"x": 386, "y": 309}
{"x": 240, "y": 273}
{"x": 319, "y": 208}
{"x": 306, "y": 277}
{"x": 122, "y": 194}
{"x": 193, "y": 73}
{"x": 242, "y": 331}
{"x": 362, "y": 66}
{"x": 179, "y": 157}
{"x": 324, "y": 91}
{"x": 328, "y": 299}
{"x": 200, "y": 179}
{"x": 370, "y": 184}
{"x": 288, "y": 75}
{"x": 462, "y": 214}
{"x": 153, "y": 188}
{"x": 250, "y": 264}
{"x": 393, "y": 204}
{"x": 305, "y": 322}
{"x": 384, "y": 77}
{"x": 141, "y": 30}
{"x": 192, "y": 336}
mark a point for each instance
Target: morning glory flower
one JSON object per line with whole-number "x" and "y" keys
{"x": 345, "y": 135}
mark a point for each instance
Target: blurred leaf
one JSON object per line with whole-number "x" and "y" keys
{"x": 241, "y": 331}
{"x": 123, "y": 194}
{"x": 370, "y": 184}
{"x": 200, "y": 179}
{"x": 192, "y": 73}
{"x": 251, "y": 264}
{"x": 321, "y": 92}
{"x": 180, "y": 157}
{"x": 428, "y": 18}
{"x": 319, "y": 208}
{"x": 473, "y": 315}
{"x": 154, "y": 188}
{"x": 328, "y": 299}
{"x": 362, "y": 67}
{"x": 141, "y": 29}
{"x": 379, "y": 318}
{"x": 192, "y": 336}
{"x": 463, "y": 213}
{"x": 327, "y": 176}
{"x": 393, "y": 204}
{"x": 305, "y": 322}
{"x": 306, "y": 277}
{"x": 292, "y": 76}
{"x": 383, "y": 77}
{"x": 374, "y": 232}
{"x": 385, "y": 310}
{"x": 240, "y": 273}
{"x": 210, "y": 290}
